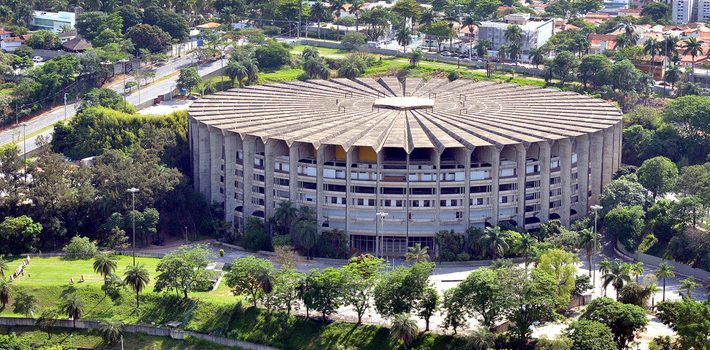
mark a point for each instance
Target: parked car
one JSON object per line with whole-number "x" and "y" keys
{"x": 37, "y": 59}
{"x": 445, "y": 53}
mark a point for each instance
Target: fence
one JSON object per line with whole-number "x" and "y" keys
{"x": 679, "y": 268}
{"x": 143, "y": 329}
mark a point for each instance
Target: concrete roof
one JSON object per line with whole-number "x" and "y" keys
{"x": 466, "y": 113}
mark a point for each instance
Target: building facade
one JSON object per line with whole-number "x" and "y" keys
{"x": 54, "y": 21}
{"x": 535, "y": 33}
{"x": 391, "y": 163}
{"x": 684, "y": 11}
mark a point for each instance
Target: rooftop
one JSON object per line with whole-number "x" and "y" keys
{"x": 383, "y": 112}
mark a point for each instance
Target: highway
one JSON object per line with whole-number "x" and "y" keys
{"x": 147, "y": 92}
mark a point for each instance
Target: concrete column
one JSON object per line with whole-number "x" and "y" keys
{"x": 248, "y": 149}
{"x": 608, "y": 157}
{"x": 544, "y": 181}
{"x": 230, "y": 161}
{"x": 467, "y": 199}
{"x": 617, "y": 148}
{"x": 495, "y": 183}
{"x": 320, "y": 160}
{"x": 293, "y": 173}
{"x": 215, "y": 165}
{"x": 194, "y": 154}
{"x": 406, "y": 214}
{"x": 437, "y": 197}
{"x": 583, "y": 173}
{"x": 348, "y": 183}
{"x": 566, "y": 179}
{"x": 521, "y": 153}
{"x": 269, "y": 149}
{"x": 378, "y": 234}
{"x": 204, "y": 161}
{"x": 596, "y": 150}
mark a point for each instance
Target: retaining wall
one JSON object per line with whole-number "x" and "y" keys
{"x": 679, "y": 268}
{"x": 143, "y": 329}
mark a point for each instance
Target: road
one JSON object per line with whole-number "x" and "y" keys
{"x": 147, "y": 92}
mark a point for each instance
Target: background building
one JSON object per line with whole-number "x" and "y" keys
{"x": 53, "y": 21}
{"x": 535, "y": 33}
{"x": 432, "y": 154}
{"x": 684, "y": 11}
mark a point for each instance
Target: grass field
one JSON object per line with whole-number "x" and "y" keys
{"x": 216, "y": 312}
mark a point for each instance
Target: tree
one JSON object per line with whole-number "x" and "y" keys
{"x": 4, "y": 292}
{"x": 188, "y": 79}
{"x": 90, "y": 24}
{"x": 285, "y": 291}
{"x": 272, "y": 55}
{"x": 255, "y": 236}
{"x": 136, "y": 277}
{"x": 513, "y": 34}
{"x": 401, "y": 290}
{"x": 306, "y": 230}
{"x": 534, "y": 299}
{"x": 495, "y": 242}
{"x": 111, "y": 332}
{"x": 103, "y": 97}
{"x": 326, "y": 291}
{"x": 693, "y": 47}
{"x": 617, "y": 275}
{"x": 652, "y": 47}
{"x": 360, "y": 277}
{"x": 46, "y": 321}
{"x": 689, "y": 318}
{"x": 589, "y": 241}
{"x": 428, "y": 305}
{"x": 590, "y": 335}
{"x": 320, "y": 11}
{"x": 664, "y": 271}
{"x": 146, "y": 36}
{"x": 564, "y": 66}
{"x": 622, "y": 193}
{"x": 404, "y": 328}
{"x": 80, "y": 248}
{"x": 415, "y": 57}
{"x": 624, "y": 320}
{"x": 243, "y": 67}
{"x": 285, "y": 215}
{"x": 593, "y": 69}
{"x": 561, "y": 265}
{"x": 480, "y": 339}
{"x": 484, "y": 296}
{"x": 131, "y": 15}
{"x": 353, "y": 40}
{"x": 658, "y": 175}
{"x": 43, "y": 39}
{"x": 4, "y": 266}
{"x": 183, "y": 270}
{"x": 251, "y": 276}
{"x": 672, "y": 75}
{"x": 104, "y": 265}
{"x": 690, "y": 114}
{"x": 482, "y": 48}
{"x": 417, "y": 254}
{"x": 636, "y": 270}
{"x": 657, "y": 12}
{"x": 73, "y": 306}
{"x": 404, "y": 37}
{"x": 409, "y": 10}
{"x": 20, "y": 234}
{"x": 626, "y": 224}
{"x": 689, "y": 284}
{"x": 174, "y": 24}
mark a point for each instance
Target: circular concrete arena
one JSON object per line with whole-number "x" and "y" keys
{"x": 431, "y": 154}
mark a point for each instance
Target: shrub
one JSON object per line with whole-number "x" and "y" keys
{"x": 453, "y": 75}
{"x": 80, "y": 247}
{"x": 273, "y": 55}
{"x": 353, "y": 40}
{"x": 281, "y": 240}
{"x": 221, "y": 252}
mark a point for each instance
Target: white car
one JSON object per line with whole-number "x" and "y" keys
{"x": 37, "y": 59}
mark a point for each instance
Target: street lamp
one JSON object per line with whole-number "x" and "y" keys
{"x": 595, "y": 208}
{"x": 123, "y": 64}
{"x": 65, "y": 106}
{"x": 381, "y": 215}
{"x": 133, "y": 191}
{"x": 24, "y": 147}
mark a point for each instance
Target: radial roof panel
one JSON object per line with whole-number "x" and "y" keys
{"x": 344, "y": 112}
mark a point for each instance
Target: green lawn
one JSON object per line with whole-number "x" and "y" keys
{"x": 91, "y": 340}
{"x": 216, "y": 312}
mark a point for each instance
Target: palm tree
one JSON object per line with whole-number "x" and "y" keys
{"x": 404, "y": 328}
{"x": 47, "y": 320}
{"x": 428, "y": 17}
{"x": 637, "y": 270}
{"x": 503, "y": 52}
{"x": 589, "y": 242}
{"x": 622, "y": 41}
{"x": 138, "y": 278}
{"x": 319, "y": 12}
{"x": 404, "y": 37}
{"x": 236, "y": 71}
{"x": 482, "y": 48}
{"x": 604, "y": 267}
{"x": 470, "y": 22}
{"x": 4, "y": 292}
{"x": 111, "y": 332}
{"x": 514, "y": 52}
{"x": 417, "y": 254}
{"x": 629, "y": 30}
{"x": 286, "y": 214}
{"x": 513, "y": 34}
{"x": 306, "y": 230}
{"x": 337, "y": 6}
{"x": 480, "y": 339}
{"x": 689, "y": 284}
{"x": 652, "y": 47}
{"x": 664, "y": 271}
{"x": 494, "y": 240}
{"x": 356, "y": 9}
{"x": 105, "y": 264}
{"x": 415, "y": 57}
{"x": 537, "y": 55}
{"x": 73, "y": 307}
{"x": 693, "y": 47}
{"x": 617, "y": 276}
{"x": 670, "y": 46}
{"x": 526, "y": 244}
{"x": 3, "y": 266}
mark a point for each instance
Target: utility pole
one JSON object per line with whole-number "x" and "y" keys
{"x": 596, "y": 209}
{"x": 378, "y": 243}
{"x": 65, "y": 106}
{"x": 298, "y": 30}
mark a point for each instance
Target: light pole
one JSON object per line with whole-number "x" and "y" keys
{"x": 186, "y": 240}
{"x": 133, "y": 191}
{"x": 24, "y": 148}
{"x": 595, "y": 208}
{"x": 381, "y": 215}
{"x": 65, "y": 106}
